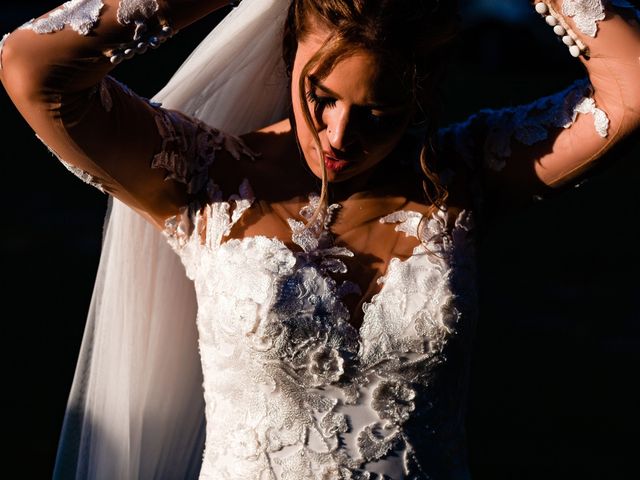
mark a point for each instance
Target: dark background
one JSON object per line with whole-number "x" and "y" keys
{"x": 556, "y": 359}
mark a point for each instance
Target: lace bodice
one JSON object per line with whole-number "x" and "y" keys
{"x": 292, "y": 389}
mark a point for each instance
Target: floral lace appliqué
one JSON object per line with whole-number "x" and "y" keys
{"x": 131, "y": 10}
{"x": 293, "y": 390}
{"x": 188, "y": 149}
{"x": 529, "y": 124}
{"x": 315, "y": 235}
{"x": 80, "y": 15}
{"x": 4, "y": 38}
{"x": 585, "y": 13}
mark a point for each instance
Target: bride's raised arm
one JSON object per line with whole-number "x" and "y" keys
{"x": 55, "y": 69}
{"x": 529, "y": 150}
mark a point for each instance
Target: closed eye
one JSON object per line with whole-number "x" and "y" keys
{"x": 320, "y": 101}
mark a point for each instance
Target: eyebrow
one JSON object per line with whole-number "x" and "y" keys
{"x": 375, "y": 106}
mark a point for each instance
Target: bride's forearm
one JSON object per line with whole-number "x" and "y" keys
{"x": 55, "y": 69}
{"x": 74, "y": 46}
{"x": 606, "y": 39}
{"x": 524, "y": 151}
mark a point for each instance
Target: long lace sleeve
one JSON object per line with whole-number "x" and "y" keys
{"x": 529, "y": 150}
{"x": 56, "y": 70}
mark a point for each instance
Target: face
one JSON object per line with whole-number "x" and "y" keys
{"x": 360, "y": 111}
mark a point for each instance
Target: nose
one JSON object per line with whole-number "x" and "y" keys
{"x": 341, "y": 131}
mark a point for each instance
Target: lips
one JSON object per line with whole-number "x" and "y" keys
{"x": 335, "y": 164}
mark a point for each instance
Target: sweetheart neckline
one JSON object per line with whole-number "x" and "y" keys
{"x": 357, "y": 330}
{"x": 314, "y": 244}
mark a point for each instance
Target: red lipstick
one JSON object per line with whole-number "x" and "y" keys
{"x": 335, "y": 164}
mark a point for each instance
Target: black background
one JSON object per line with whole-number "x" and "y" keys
{"x": 557, "y": 353}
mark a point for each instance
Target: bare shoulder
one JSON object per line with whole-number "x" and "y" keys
{"x": 278, "y": 171}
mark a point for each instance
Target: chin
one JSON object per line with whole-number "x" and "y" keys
{"x": 338, "y": 178}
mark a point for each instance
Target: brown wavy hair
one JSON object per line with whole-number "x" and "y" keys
{"x": 414, "y": 36}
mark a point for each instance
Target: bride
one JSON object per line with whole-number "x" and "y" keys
{"x": 296, "y": 173}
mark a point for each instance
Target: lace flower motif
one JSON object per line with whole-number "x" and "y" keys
{"x": 316, "y": 235}
{"x": 316, "y": 240}
{"x": 80, "y": 15}
{"x": 372, "y": 446}
{"x": 309, "y": 328}
{"x": 4, "y": 37}
{"x": 529, "y": 124}
{"x": 333, "y": 423}
{"x": 326, "y": 365}
{"x": 131, "y": 10}
{"x": 585, "y": 13}
{"x": 189, "y": 147}
{"x": 394, "y": 401}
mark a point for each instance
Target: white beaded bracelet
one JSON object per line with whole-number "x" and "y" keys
{"x": 562, "y": 29}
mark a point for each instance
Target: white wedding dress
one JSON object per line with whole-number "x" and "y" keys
{"x": 292, "y": 389}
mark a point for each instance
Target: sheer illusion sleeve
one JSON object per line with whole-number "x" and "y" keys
{"x": 519, "y": 153}
{"x": 55, "y": 69}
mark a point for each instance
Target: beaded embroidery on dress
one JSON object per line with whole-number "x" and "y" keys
{"x": 292, "y": 389}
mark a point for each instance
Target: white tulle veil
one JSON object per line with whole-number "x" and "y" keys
{"x": 136, "y": 408}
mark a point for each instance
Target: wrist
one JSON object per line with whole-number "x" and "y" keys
{"x": 554, "y": 14}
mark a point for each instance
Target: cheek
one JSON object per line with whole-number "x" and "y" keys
{"x": 382, "y": 143}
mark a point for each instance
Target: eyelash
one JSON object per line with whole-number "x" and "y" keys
{"x": 328, "y": 102}
{"x": 320, "y": 101}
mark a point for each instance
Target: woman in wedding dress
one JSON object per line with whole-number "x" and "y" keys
{"x": 293, "y": 198}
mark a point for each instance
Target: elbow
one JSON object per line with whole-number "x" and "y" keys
{"x": 14, "y": 71}
{"x": 20, "y": 73}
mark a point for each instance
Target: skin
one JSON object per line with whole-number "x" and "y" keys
{"x": 346, "y": 125}
{"x": 360, "y": 111}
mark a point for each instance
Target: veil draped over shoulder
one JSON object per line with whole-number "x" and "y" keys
{"x": 136, "y": 408}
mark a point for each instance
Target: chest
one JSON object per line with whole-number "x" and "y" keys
{"x": 355, "y": 226}
{"x": 277, "y": 338}
{"x": 254, "y": 245}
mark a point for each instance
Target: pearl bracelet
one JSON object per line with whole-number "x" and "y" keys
{"x": 562, "y": 29}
